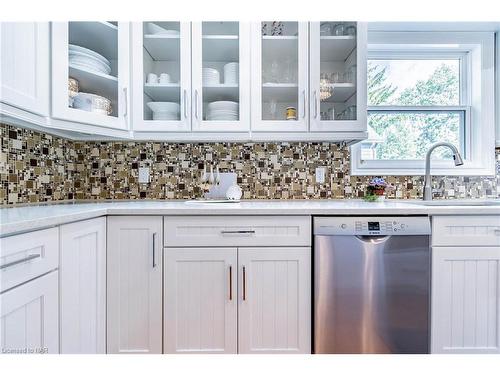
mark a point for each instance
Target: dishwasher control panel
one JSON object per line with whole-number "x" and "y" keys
{"x": 372, "y": 226}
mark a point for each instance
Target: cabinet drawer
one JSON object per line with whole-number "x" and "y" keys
{"x": 466, "y": 231}
{"x": 26, "y": 256}
{"x": 237, "y": 231}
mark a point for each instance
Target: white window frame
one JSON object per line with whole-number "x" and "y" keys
{"x": 477, "y": 100}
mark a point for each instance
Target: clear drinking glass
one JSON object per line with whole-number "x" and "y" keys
{"x": 339, "y": 29}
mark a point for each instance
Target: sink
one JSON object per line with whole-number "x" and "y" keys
{"x": 457, "y": 202}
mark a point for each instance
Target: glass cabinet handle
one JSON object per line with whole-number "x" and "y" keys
{"x": 125, "y": 97}
{"x": 196, "y": 104}
{"x": 185, "y": 104}
{"x": 304, "y": 108}
{"x": 315, "y": 105}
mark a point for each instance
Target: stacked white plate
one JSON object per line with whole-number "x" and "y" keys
{"x": 222, "y": 111}
{"x": 166, "y": 111}
{"x": 231, "y": 73}
{"x": 210, "y": 76}
{"x": 84, "y": 58}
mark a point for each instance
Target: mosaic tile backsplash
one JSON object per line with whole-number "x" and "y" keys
{"x": 36, "y": 167}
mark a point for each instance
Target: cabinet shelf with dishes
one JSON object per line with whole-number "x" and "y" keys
{"x": 220, "y": 70}
{"x": 90, "y": 74}
{"x": 161, "y": 76}
{"x": 338, "y": 63}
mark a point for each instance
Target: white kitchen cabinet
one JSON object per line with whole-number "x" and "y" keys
{"x": 29, "y": 317}
{"x": 338, "y": 76}
{"x": 497, "y": 73}
{"x": 465, "y": 315}
{"x": 110, "y": 40}
{"x": 465, "y": 300}
{"x": 200, "y": 302}
{"x": 274, "y": 312}
{"x": 280, "y": 77}
{"x": 24, "y": 66}
{"x": 134, "y": 284}
{"x": 221, "y": 74}
{"x": 82, "y": 275}
{"x": 157, "y": 54}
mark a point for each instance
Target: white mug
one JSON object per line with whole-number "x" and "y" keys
{"x": 152, "y": 78}
{"x": 164, "y": 78}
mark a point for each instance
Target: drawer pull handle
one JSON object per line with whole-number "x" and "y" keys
{"x": 496, "y": 231}
{"x": 237, "y": 232}
{"x": 244, "y": 284}
{"x": 27, "y": 259}
{"x": 230, "y": 283}
{"x": 154, "y": 250}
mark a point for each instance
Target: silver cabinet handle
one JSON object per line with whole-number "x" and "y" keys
{"x": 196, "y": 104}
{"x": 237, "y": 231}
{"x": 185, "y": 104}
{"x": 496, "y": 231}
{"x": 27, "y": 259}
{"x": 125, "y": 112}
{"x": 315, "y": 105}
{"x": 304, "y": 98}
{"x": 154, "y": 250}
{"x": 244, "y": 284}
{"x": 230, "y": 283}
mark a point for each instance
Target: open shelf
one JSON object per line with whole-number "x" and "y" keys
{"x": 163, "y": 47}
{"x": 336, "y": 48}
{"x": 95, "y": 82}
{"x": 341, "y": 92}
{"x": 169, "y": 92}
{"x": 221, "y": 48}
{"x": 100, "y": 37}
{"x": 282, "y": 92}
{"x": 213, "y": 93}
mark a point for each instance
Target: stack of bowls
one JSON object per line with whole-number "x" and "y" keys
{"x": 92, "y": 103}
{"x": 210, "y": 76}
{"x": 87, "y": 59}
{"x": 222, "y": 111}
{"x": 231, "y": 73}
{"x": 165, "y": 111}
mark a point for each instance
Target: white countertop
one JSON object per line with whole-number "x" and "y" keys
{"x": 27, "y": 218}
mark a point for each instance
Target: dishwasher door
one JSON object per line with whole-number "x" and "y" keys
{"x": 371, "y": 294}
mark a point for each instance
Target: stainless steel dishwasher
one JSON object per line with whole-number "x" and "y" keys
{"x": 371, "y": 284}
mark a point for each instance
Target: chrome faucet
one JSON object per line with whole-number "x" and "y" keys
{"x": 457, "y": 158}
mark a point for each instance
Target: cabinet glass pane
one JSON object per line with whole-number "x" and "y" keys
{"x": 161, "y": 76}
{"x": 337, "y": 79}
{"x": 220, "y": 71}
{"x": 93, "y": 67}
{"x": 280, "y": 91}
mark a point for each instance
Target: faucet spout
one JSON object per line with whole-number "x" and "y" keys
{"x": 457, "y": 158}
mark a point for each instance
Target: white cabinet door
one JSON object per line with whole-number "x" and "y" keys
{"x": 29, "y": 318}
{"x": 157, "y": 54}
{"x": 83, "y": 287}
{"x": 274, "y": 300}
{"x": 200, "y": 300}
{"x": 465, "y": 300}
{"x": 99, "y": 60}
{"x": 134, "y": 284}
{"x": 24, "y": 65}
{"x": 280, "y": 77}
{"x": 338, "y": 77}
{"x": 221, "y": 76}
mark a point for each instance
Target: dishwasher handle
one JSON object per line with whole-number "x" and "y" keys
{"x": 373, "y": 239}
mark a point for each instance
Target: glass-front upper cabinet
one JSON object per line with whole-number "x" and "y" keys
{"x": 338, "y": 76}
{"x": 220, "y": 73}
{"x": 161, "y": 63}
{"x": 90, "y": 73}
{"x": 280, "y": 76}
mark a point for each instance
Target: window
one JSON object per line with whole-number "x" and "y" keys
{"x": 425, "y": 88}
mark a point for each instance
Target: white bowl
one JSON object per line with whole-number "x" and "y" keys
{"x": 92, "y": 103}
{"x": 164, "y": 106}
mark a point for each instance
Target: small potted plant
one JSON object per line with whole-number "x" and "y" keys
{"x": 376, "y": 189}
